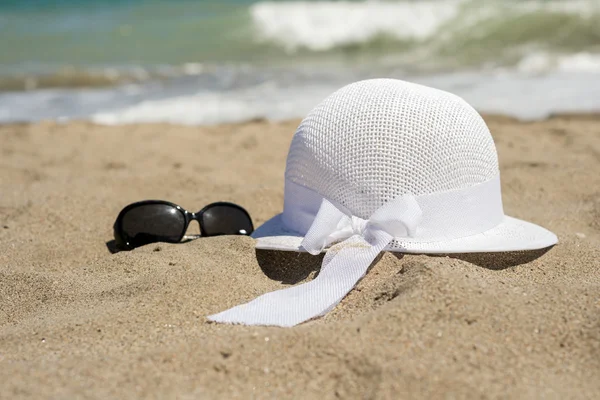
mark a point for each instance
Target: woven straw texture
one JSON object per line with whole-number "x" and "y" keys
{"x": 374, "y": 140}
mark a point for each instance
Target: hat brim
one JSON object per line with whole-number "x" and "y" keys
{"x": 511, "y": 234}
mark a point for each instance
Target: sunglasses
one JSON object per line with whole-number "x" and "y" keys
{"x": 153, "y": 221}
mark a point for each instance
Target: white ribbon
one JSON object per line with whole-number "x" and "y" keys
{"x": 343, "y": 266}
{"x": 447, "y": 215}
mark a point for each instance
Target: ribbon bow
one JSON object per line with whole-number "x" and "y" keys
{"x": 343, "y": 266}
{"x": 398, "y": 218}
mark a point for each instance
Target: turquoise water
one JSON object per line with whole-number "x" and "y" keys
{"x": 122, "y": 32}
{"x": 79, "y": 58}
{"x": 49, "y": 35}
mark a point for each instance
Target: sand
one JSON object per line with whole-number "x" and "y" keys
{"x": 77, "y": 321}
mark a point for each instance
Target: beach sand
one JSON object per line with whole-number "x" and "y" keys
{"x": 79, "y": 322}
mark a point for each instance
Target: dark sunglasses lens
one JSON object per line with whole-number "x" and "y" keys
{"x": 152, "y": 223}
{"x": 226, "y": 220}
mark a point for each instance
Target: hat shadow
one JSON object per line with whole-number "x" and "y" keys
{"x": 288, "y": 267}
{"x": 291, "y": 267}
{"x": 498, "y": 261}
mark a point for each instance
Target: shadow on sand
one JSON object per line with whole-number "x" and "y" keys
{"x": 291, "y": 267}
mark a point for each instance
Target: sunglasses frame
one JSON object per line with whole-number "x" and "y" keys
{"x": 189, "y": 217}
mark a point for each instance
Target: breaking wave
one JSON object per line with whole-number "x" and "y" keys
{"x": 443, "y": 32}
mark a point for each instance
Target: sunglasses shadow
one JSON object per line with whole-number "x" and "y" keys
{"x": 112, "y": 247}
{"x": 290, "y": 267}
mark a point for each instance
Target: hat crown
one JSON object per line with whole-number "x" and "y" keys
{"x": 375, "y": 140}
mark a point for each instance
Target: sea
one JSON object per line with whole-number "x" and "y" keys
{"x": 214, "y": 61}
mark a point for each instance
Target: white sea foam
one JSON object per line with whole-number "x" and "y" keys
{"x": 544, "y": 62}
{"x": 580, "y": 62}
{"x": 522, "y": 95}
{"x": 325, "y": 25}
{"x": 510, "y": 93}
{"x": 265, "y": 101}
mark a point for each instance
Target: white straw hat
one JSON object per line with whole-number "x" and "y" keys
{"x": 379, "y": 165}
